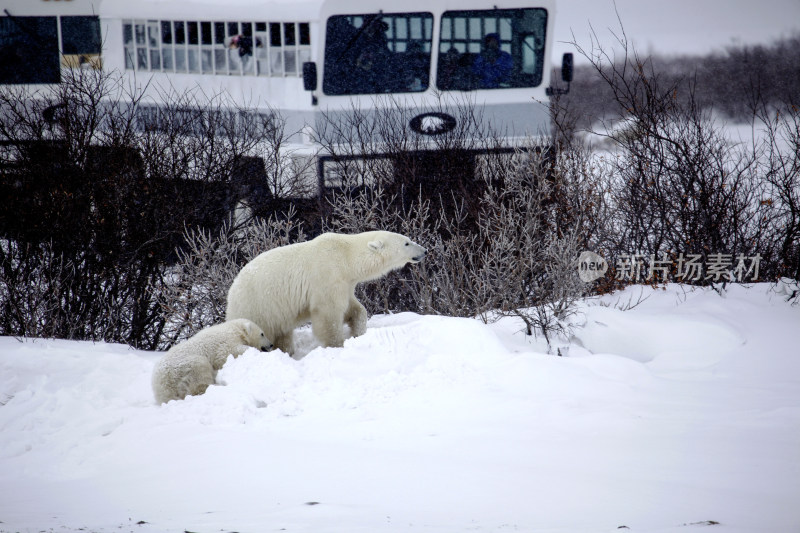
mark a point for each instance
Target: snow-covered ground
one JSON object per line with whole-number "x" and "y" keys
{"x": 681, "y": 414}
{"x": 603, "y": 136}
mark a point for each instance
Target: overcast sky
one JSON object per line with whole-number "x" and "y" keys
{"x": 675, "y": 26}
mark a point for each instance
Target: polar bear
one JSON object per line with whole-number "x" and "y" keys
{"x": 191, "y": 366}
{"x": 315, "y": 280}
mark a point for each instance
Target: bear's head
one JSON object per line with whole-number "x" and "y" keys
{"x": 252, "y": 335}
{"x": 393, "y": 249}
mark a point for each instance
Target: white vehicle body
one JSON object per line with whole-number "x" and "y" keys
{"x": 254, "y": 52}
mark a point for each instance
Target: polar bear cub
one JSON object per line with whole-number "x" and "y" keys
{"x": 315, "y": 281}
{"x": 188, "y": 368}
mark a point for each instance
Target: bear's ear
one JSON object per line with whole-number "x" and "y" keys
{"x": 375, "y": 245}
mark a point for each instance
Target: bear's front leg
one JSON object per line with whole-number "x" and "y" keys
{"x": 356, "y": 317}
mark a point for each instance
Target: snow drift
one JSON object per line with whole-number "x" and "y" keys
{"x": 680, "y": 414}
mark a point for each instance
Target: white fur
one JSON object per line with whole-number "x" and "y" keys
{"x": 287, "y": 286}
{"x": 190, "y": 367}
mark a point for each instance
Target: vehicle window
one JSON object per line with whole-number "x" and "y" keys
{"x": 373, "y": 54}
{"x": 29, "y": 50}
{"x": 240, "y": 48}
{"x": 80, "y": 35}
{"x": 491, "y": 49}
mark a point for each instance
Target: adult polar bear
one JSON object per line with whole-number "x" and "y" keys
{"x": 315, "y": 280}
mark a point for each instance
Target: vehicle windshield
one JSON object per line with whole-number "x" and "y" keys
{"x": 491, "y": 49}
{"x": 377, "y": 53}
{"x": 29, "y": 50}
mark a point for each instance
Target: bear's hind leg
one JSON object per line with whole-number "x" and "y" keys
{"x": 356, "y": 318}
{"x": 197, "y": 376}
{"x": 285, "y": 342}
{"x": 198, "y": 389}
{"x": 328, "y": 328}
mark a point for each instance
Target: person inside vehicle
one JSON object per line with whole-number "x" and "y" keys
{"x": 492, "y": 66}
{"x": 243, "y": 44}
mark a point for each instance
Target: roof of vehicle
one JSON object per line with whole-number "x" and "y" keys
{"x": 273, "y": 10}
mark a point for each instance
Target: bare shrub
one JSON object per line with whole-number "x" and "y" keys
{"x": 729, "y": 81}
{"x": 196, "y": 290}
{"x": 517, "y": 256}
{"x": 677, "y": 183}
{"x": 71, "y": 253}
{"x": 781, "y": 174}
{"x": 49, "y": 293}
{"x": 99, "y": 187}
{"x": 367, "y": 148}
{"x": 533, "y": 226}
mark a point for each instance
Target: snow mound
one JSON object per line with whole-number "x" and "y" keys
{"x": 677, "y": 413}
{"x": 666, "y": 338}
{"x": 397, "y": 355}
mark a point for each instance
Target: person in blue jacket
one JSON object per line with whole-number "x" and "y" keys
{"x": 492, "y": 66}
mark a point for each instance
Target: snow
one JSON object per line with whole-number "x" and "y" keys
{"x": 671, "y": 410}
